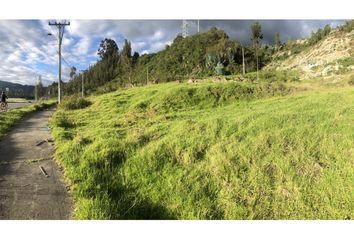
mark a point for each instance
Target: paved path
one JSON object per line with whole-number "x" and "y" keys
{"x": 25, "y": 192}
{"x": 12, "y": 105}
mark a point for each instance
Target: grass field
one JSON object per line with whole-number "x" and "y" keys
{"x": 210, "y": 151}
{"x": 11, "y": 117}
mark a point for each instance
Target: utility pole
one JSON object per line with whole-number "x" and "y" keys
{"x": 82, "y": 84}
{"x": 61, "y": 28}
{"x": 36, "y": 91}
{"x": 198, "y": 25}
{"x": 257, "y": 62}
{"x": 243, "y": 61}
{"x": 147, "y": 75}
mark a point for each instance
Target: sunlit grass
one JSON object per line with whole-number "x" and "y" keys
{"x": 210, "y": 151}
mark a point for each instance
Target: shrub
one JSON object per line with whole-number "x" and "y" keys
{"x": 347, "y": 27}
{"x": 62, "y": 121}
{"x": 351, "y": 80}
{"x": 73, "y": 103}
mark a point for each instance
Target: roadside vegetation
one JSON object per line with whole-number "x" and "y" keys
{"x": 210, "y": 151}
{"x": 9, "y": 118}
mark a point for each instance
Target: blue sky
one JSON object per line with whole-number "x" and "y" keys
{"x": 26, "y": 50}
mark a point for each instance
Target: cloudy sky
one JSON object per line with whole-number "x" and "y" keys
{"x": 26, "y": 49}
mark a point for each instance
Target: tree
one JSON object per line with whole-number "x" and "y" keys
{"x": 107, "y": 49}
{"x": 277, "y": 42}
{"x": 127, "y": 49}
{"x": 135, "y": 58}
{"x": 326, "y": 30}
{"x": 256, "y": 37}
{"x": 72, "y": 72}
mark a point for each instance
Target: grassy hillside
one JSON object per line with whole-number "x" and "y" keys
{"x": 209, "y": 151}
{"x": 17, "y": 90}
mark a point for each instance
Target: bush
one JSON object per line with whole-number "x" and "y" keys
{"x": 73, "y": 103}
{"x": 347, "y": 27}
{"x": 62, "y": 121}
{"x": 346, "y": 62}
{"x": 351, "y": 80}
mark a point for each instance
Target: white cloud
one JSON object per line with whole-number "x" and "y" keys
{"x": 158, "y": 35}
{"x": 138, "y": 46}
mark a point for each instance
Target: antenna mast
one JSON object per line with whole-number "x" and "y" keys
{"x": 184, "y": 28}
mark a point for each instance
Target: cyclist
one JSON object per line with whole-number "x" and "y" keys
{"x": 3, "y": 100}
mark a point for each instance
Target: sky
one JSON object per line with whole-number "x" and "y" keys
{"x": 27, "y": 51}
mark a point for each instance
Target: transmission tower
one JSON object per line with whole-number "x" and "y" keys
{"x": 61, "y": 28}
{"x": 185, "y": 28}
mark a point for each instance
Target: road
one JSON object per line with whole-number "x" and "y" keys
{"x": 17, "y": 103}
{"x": 25, "y": 191}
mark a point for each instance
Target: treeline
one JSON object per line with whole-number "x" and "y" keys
{"x": 203, "y": 54}
{"x": 16, "y": 90}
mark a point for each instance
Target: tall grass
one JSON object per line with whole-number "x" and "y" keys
{"x": 210, "y": 151}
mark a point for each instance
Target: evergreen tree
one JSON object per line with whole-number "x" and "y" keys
{"x": 127, "y": 49}
{"x": 256, "y": 37}
{"x": 277, "y": 42}
{"x": 135, "y": 58}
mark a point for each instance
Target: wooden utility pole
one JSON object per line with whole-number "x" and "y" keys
{"x": 257, "y": 62}
{"x": 82, "y": 84}
{"x": 243, "y": 61}
{"x": 39, "y": 80}
{"x": 36, "y": 92}
{"x": 147, "y": 75}
{"x": 61, "y": 28}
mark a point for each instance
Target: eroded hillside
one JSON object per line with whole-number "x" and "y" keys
{"x": 332, "y": 55}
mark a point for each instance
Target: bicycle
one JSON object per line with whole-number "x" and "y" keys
{"x": 3, "y": 106}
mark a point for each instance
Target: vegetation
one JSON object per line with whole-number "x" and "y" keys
{"x": 210, "y": 151}
{"x": 272, "y": 75}
{"x": 318, "y": 35}
{"x": 11, "y": 117}
{"x": 17, "y": 90}
{"x": 347, "y": 27}
{"x": 277, "y": 41}
{"x": 256, "y": 38}
{"x": 296, "y": 46}
{"x": 74, "y": 102}
{"x": 201, "y": 55}
{"x": 351, "y": 80}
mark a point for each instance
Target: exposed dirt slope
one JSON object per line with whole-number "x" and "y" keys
{"x": 332, "y": 55}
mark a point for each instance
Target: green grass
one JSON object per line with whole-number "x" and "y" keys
{"x": 210, "y": 151}
{"x": 9, "y": 118}
{"x": 74, "y": 102}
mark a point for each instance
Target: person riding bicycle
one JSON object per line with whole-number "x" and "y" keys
{"x": 3, "y": 98}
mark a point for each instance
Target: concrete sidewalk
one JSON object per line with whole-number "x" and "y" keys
{"x": 25, "y": 191}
